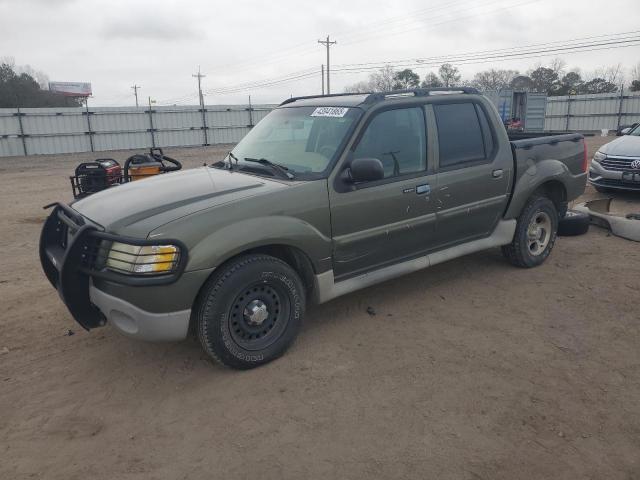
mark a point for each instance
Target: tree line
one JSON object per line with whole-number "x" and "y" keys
{"x": 553, "y": 79}
{"x": 26, "y": 87}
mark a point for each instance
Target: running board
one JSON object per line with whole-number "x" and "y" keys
{"x": 327, "y": 289}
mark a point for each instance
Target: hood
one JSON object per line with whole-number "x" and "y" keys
{"x": 136, "y": 208}
{"x": 625, "y": 146}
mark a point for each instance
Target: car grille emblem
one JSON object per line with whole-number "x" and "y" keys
{"x": 635, "y": 164}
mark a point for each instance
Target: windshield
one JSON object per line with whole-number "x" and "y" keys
{"x": 304, "y": 140}
{"x": 635, "y": 132}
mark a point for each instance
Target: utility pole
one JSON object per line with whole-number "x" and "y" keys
{"x": 322, "y": 76}
{"x": 200, "y": 76}
{"x": 152, "y": 129}
{"x": 135, "y": 92}
{"x": 327, "y": 43}
{"x": 620, "y": 106}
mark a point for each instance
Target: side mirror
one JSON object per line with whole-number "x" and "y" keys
{"x": 366, "y": 170}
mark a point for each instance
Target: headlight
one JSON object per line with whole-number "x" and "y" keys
{"x": 598, "y": 157}
{"x": 148, "y": 259}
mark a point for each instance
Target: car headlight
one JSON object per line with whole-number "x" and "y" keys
{"x": 598, "y": 157}
{"x": 148, "y": 259}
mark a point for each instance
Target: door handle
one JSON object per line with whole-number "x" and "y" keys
{"x": 423, "y": 189}
{"x": 497, "y": 173}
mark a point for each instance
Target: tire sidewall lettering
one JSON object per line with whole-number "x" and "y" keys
{"x": 288, "y": 283}
{"x": 296, "y": 311}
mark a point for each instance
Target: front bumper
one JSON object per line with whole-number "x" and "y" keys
{"x": 602, "y": 177}
{"x": 71, "y": 248}
{"x": 134, "y": 322}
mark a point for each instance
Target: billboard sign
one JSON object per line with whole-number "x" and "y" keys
{"x": 71, "y": 89}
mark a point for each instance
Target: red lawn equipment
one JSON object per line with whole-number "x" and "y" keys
{"x": 92, "y": 177}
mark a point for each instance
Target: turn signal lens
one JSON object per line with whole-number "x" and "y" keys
{"x": 148, "y": 259}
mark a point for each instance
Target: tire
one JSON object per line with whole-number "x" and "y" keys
{"x": 573, "y": 224}
{"x": 535, "y": 234}
{"x": 563, "y": 208}
{"x": 250, "y": 312}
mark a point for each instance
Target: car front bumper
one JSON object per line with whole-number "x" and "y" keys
{"x": 154, "y": 308}
{"x": 602, "y": 177}
{"x": 135, "y": 322}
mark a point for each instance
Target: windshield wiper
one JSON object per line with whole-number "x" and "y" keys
{"x": 274, "y": 166}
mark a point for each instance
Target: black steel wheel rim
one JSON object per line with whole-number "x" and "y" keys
{"x": 259, "y": 315}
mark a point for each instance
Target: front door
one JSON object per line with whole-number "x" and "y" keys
{"x": 473, "y": 173}
{"x": 383, "y": 222}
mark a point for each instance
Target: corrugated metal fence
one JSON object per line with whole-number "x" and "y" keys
{"x": 65, "y": 130}
{"x": 31, "y": 131}
{"x": 592, "y": 112}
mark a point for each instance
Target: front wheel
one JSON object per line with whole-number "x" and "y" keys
{"x": 250, "y": 311}
{"x": 535, "y": 234}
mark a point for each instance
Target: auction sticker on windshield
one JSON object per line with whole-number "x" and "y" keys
{"x": 330, "y": 112}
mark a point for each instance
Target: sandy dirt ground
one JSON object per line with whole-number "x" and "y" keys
{"x": 470, "y": 370}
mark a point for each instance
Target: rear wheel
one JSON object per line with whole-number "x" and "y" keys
{"x": 535, "y": 234}
{"x": 251, "y": 311}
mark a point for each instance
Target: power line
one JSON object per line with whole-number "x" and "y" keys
{"x": 564, "y": 43}
{"x": 401, "y": 25}
{"x": 304, "y": 47}
{"x": 445, "y": 8}
{"x": 278, "y": 79}
{"x": 467, "y": 58}
{"x": 376, "y": 29}
{"x": 265, "y": 83}
{"x": 327, "y": 43}
{"x": 470, "y": 58}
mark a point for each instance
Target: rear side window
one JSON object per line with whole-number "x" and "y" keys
{"x": 460, "y": 135}
{"x": 486, "y": 131}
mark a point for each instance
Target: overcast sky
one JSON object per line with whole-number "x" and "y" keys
{"x": 159, "y": 44}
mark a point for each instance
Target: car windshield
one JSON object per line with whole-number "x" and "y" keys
{"x": 635, "y": 132}
{"x": 304, "y": 140}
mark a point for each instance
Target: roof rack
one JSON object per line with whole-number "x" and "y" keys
{"x": 373, "y": 97}
{"x": 294, "y": 99}
{"x": 419, "y": 92}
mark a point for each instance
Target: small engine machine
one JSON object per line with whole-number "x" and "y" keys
{"x": 92, "y": 177}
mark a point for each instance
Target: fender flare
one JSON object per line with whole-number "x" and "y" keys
{"x": 535, "y": 175}
{"x": 231, "y": 240}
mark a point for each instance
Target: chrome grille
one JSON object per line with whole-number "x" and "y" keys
{"x": 618, "y": 164}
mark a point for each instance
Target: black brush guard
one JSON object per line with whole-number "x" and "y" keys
{"x": 72, "y": 250}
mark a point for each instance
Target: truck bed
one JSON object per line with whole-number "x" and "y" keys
{"x": 568, "y": 149}
{"x": 560, "y": 159}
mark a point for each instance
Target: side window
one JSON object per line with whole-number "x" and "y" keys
{"x": 398, "y": 139}
{"x": 487, "y": 136}
{"x": 460, "y": 136}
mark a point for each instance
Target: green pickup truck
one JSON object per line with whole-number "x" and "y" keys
{"x": 326, "y": 195}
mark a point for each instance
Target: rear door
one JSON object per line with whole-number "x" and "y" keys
{"x": 383, "y": 222}
{"x": 473, "y": 172}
